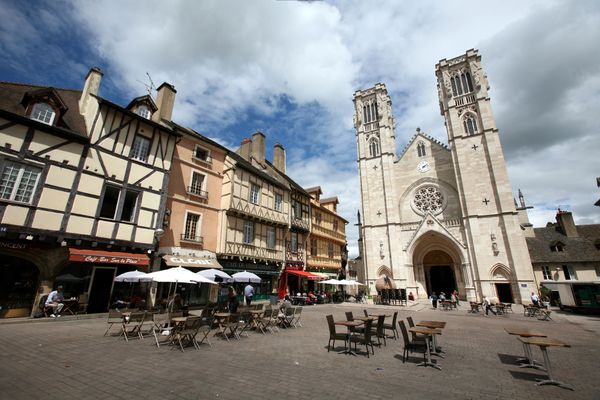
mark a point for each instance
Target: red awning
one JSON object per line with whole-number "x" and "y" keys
{"x": 304, "y": 274}
{"x": 107, "y": 257}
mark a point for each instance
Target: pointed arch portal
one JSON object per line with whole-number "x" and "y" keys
{"x": 438, "y": 264}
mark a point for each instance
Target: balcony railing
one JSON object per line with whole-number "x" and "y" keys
{"x": 197, "y": 192}
{"x": 189, "y": 238}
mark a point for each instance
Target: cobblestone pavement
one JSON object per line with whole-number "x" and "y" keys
{"x": 68, "y": 358}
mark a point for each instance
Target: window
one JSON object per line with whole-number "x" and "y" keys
{"x": 271, "y": 237}
{"x": 43, "y": 112}
{"x": 370, "y": 113}
{"x": 110, "y": 201}
{"x": 248, "y": 232}
{"x": 374, "y": 147}
{"x": 461, "y": 84}
{"x": 254, "y": 193}
{"x": 294, "y": 242}
{"x": 470, "y": 125}
{"x": 421, "y": 149}
{"x": 335, "y": 224}
{"x": 278, "y": 202}
{"x": 200, "y": 153}
{"x": 192, "y": 224}
{"x": 297, "y": 207}
{"x": 330, "y": 250}
{"x": 197, "y": 184}
{"x": 313, "y": 247}
{"x": 143, "y": 111}
{"x": 19, "y": 182}
{"x": 140, "y": 148}
{"x": 547, "y": 273}
{"x": 569, "y": 272}
{"x": 318, "y": 217}
{"x": 557, "y": 247}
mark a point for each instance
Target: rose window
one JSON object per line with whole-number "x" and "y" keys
{"x": 429, "y": 199}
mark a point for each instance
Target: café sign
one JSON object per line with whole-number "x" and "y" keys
{"x": 191, "y": 262}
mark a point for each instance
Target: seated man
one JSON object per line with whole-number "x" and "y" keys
{"x": 54, "y": 300}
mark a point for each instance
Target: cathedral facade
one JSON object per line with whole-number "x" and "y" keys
{"x": 439, "y": 217}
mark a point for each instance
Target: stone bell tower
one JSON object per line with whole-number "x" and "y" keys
{"x": 496, "y": 245}
{"x": 376, "y": 149}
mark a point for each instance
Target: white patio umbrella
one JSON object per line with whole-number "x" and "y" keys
{"x": 131, "y": 276}
{"x": 213, "y": 273}
{"x": 330, "y": 282}
{"x": 347, "y": 282}
{"x": 176, "y": 275}
{"x": 245, "y": 276}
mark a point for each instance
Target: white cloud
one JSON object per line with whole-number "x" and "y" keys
{"x": 290, "y": 68}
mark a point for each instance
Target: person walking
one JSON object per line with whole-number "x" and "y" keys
{"x": 488, "y": 305}
{"x": 434, "y": 299}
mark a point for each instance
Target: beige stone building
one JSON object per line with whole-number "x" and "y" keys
{"x": 439, "y": 217}
{"x": 81, "y": 189}
{"x": 327, "y": 236}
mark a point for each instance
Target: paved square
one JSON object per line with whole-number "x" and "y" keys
{"x": 70, "y": 359}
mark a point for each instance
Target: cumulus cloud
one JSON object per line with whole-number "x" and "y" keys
{"x": 289, "y": 69}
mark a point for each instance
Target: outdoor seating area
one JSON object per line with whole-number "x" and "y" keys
{"x": 193, "y": 328}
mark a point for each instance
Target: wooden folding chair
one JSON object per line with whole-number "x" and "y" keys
{"x": 114, "y": 317}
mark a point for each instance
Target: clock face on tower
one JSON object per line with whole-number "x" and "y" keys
{"x": 423, "y": 166}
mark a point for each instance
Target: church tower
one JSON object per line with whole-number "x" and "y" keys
{"x": 493, "y": 235}
{"x": 376, "y": 149}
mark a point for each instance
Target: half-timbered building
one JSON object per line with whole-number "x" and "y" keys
{"x": 81, "y": 190}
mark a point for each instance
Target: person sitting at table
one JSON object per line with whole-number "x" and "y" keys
{"x": 137, "y": 301}
{"x": 232, "y": 300}
{"x": 285, "y": 304}
{"x": 54, "y": 300}
{"x": 487, "y": 303}
{"x": 535, "y": 299}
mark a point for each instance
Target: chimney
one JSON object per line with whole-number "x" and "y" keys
{"x": 258, "y": 147}
{"x": 566, "y": 223}
{"x": 165, "y": 100}
{"x": 90, "y": 87}
{"x": 279, "y": 157}
{"x": 244, "y": 150}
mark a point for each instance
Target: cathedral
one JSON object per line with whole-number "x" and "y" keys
{"x": 439, "y": 217}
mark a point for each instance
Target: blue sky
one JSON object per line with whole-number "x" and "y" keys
{"x": 290, "y": 68}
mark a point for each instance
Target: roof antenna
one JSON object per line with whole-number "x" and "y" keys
{"x": 149, "y": 87}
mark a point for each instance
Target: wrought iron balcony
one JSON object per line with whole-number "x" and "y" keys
{"x": 195, "y": 190}
{"x": 190, "y": 238}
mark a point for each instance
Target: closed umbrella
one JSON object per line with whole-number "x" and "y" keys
{"x": 245, "y": 276}
{"x": 213, "y": 273}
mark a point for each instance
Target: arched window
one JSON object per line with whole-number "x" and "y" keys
{"x": 470, "y": 125}
{"x": 421, "y": 149}
{"x": 461, "y": 84}
{"x": 43, "y": 112}
{"x": 370, "y": 113}
{"x": 373, "y": 147}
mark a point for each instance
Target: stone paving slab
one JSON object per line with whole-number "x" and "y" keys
{"x": 69, "y": 358}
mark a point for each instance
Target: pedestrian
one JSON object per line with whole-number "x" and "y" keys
{"x": 248, "y": 293}
{"x": 488, "y": 305}
{"x": 455, "y": 297}
{"x": 434, "y": 299}
{"x": 54, "y": 300}
{"x": 232, "y": 300}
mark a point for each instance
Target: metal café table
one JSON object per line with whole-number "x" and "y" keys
{"x": 544, "y": 343}
{"x": 349, "y": 325}
{"x": 434, "y": 325}
{"x": 429, "y": 333}
{"x": 526, "y": 333}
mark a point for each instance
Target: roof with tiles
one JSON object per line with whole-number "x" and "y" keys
{"x": 584, "y": 248}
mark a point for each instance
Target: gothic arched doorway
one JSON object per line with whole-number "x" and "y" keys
{"x": 439, "y": 272}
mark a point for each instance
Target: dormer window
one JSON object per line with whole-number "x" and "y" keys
{"x": 43, "y": 112}
{"x": 143, "y": 111}
{"x": 557, "y": 247}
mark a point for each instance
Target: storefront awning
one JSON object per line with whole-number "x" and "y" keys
{"x": 308, "y": 275}
{"x": 191, "y": 262}
{"x": 107, "y": 257}
{"x": 323, "y": 275}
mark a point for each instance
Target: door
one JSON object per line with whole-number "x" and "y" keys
{"x": 441, "y": 279}
{"x": 504, "y": 293}
{"x": 100, "y": 290}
